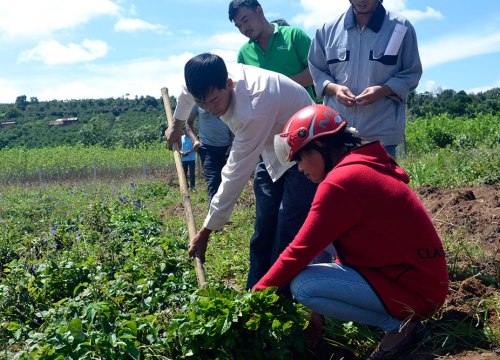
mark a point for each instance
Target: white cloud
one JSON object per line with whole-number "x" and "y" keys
{"x": 429, "y": 86}
{"x": 7, "y": 91}
{"x": 143, "y": 77}
{"x": 52, "y": 52}
{"x": 132, "y": 25}
{"x": 417, "y": 15}
{"x": 80, "y": 89}
{"x": 225, "y": 41}
{"x": 140, "y": 77}
{"x": 483, "y": 88}
{"x": 229, "y": 56}
{"x": 459, "y": 47}
{"x": 400, "y": 7}
{"x": 315, "y": 16}
{"x": 37, "y": 18}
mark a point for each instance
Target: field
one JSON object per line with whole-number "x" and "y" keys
{"x": 96, "y": 268}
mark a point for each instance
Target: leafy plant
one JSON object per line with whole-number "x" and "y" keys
{"x": 225, "y": 324}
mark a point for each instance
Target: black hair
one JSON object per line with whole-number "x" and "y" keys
{"x": 236, "y": 5}
{"x": 327, "y": 144}
{"x": 280, "y": 22}
{"x": 204, "y": 73}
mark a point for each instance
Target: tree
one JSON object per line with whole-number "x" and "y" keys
{"x": 12, "y": 113}
{"x": 151, "y": 101}
{"x": 21, "y": 102}
{"x": 97, "y": 131}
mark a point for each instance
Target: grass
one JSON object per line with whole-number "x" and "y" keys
{"x": 105, "y": 261}
{"x": 29, "y": 215}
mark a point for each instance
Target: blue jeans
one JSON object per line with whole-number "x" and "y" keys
{"x": 190, "y": 165}
{"x": 281, "y": 209}
{"x": 213, "y": 159}
{"x": 391, "y": 150}
{"x": 340, "y": 292}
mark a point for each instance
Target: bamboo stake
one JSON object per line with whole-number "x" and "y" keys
{"x": 198, "y": 265}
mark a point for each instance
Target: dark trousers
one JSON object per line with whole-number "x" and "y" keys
{"x": 281, "y": 209}
{"x": 213, "y": 159}
{"x": 190, "y": 165}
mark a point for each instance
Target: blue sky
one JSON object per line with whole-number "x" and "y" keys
{"x": 77, "y": 49}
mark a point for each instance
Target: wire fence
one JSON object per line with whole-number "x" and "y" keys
{"x": 41, "y": 175}
{"x": 93, "y": 172}
{"x": 22, "y": 168}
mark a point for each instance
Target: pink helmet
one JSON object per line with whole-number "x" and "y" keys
{"x": 305, "y": 126}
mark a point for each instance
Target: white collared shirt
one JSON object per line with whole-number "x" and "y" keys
{"x": 262, "y": 103}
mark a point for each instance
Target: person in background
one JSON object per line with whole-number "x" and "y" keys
{"x": 364, "y": 64}
{"x": 271, "y": 46}
{"x": 283, "y": 49}
{"x": 213, "y": 145}
{"x": 188, "y": 157}
{"x": 391, "y": 268}
{"x": 236, "y": 97}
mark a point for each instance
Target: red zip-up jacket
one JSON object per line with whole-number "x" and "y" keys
{"x": 378, "y": 227}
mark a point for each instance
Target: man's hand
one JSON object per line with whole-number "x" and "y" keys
{"x": 173, "y": 134}
{"x": 343, "y": 94}
{"x": 196, "y": 144}
{"x": 198, "y": 244}
{"x": 372, "y": 94}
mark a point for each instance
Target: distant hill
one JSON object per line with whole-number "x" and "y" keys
{"x": 129, "y": 122}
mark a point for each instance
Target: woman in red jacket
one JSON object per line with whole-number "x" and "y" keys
{"x": 390, "y": 270}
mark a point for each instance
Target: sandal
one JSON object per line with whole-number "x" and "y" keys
{"x": 412, "y": 334}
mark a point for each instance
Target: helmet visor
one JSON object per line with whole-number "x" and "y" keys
{"x": 282, "y": 149}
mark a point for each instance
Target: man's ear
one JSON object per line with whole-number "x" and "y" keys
{"x": 230, "y": 84}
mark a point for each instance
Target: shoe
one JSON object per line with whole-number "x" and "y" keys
{"x": 409, "y": 336}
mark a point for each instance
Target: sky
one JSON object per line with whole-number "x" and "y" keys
{"x": 90, "y": 49}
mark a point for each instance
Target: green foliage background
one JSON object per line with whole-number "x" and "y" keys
{"x": 105, "y": 122}
{"x": 92, "y": 269}
{"x": 129, "y": 122}
{"x": 100, "y": 271}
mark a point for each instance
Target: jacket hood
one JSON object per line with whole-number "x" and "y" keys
{"x": 374, "y": 155}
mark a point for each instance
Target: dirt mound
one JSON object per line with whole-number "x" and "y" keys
{"x": 467, "y": 219}
{"x": 471, "y": 214}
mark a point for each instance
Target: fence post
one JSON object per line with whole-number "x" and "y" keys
{"x": 95, "y": 170}
{"x": 144, "y": 166}
{"x": 40, "y": 174}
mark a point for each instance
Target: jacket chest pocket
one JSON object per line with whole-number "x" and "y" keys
{"x": 383, "y": 59}
{"x": 337, "y": 55}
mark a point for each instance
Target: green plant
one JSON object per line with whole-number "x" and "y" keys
{"x": 99, "y": 270}
{"x": 222, "y": 323}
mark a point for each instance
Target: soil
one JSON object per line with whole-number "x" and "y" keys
{"x": 474, "y": 212}
{"x": 469, "y": 217}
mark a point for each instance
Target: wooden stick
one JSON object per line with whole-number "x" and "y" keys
{"x": 198, "y": 265}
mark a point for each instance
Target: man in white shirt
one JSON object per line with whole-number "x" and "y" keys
{"x": 255, "y": 104}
